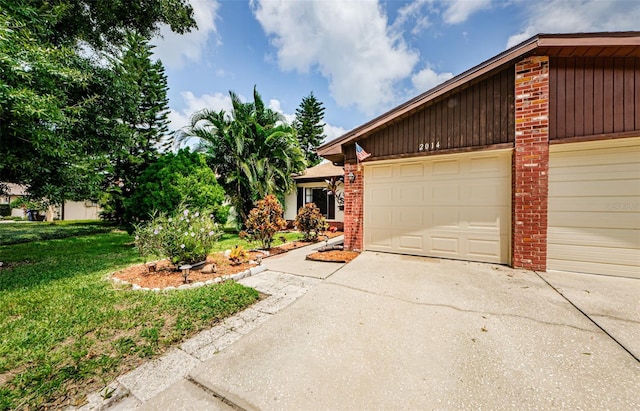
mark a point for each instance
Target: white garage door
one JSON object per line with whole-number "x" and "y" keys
{"x": 453, "y": 206}
{"x": 594, "y": 207}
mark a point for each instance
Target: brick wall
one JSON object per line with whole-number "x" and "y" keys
{"x": 531, "y": 164}
{"x": 353, "y": 207}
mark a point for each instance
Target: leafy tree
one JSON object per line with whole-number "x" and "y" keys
{"x": 144, "y": 121}
{"x": 59, "y": 117}
{"x": 175, "y": 179}
{"x": 252, "y": 149}
{"x": 310, "y": 128}
{"x": 265, "y": 220}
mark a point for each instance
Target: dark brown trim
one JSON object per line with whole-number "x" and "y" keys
{"x": 596, "y": 137}
{"x": 501, "y": 146}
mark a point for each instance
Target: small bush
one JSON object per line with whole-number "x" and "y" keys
{"x": 310, "y": 222}
{"x": 185, "y": 238}
{"x": 265, "y": 220}
{"x": 238, "y": 255}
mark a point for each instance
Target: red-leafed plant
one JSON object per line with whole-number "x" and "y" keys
{"x": 265, "y": 220}
{"x": 310, "y": 222}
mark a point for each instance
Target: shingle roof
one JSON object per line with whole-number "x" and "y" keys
{"x": 322, "y": 170}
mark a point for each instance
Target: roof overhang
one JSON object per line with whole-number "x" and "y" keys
{"x": 607, "y": 44}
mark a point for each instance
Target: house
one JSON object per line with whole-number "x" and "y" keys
{"x": 311, "y": 187}
{"x": 531, "y": 159}
{"x": 70, "y": 210}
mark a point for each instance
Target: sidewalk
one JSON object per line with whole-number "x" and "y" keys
{"x": 287, "y": 278}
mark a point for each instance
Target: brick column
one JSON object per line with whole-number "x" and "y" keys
{"x": 353, "y": 207}
{"x": 531, "y": 164}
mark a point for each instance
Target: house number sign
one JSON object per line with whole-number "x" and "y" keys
{"x": 429, "y": 147}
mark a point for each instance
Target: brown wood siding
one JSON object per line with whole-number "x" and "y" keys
{"x": 476, "y": 116}
{"x": 593, "y": 96}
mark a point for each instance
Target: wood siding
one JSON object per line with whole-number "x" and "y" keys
{"x": 592, "y": 96}
{"x": 478, "y": 115}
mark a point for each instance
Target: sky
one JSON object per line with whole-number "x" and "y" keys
{"x": 360, "y": 58}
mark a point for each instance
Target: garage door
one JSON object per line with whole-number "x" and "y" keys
{"x": 594, "y": 207}
{"x": 452, "y": 206}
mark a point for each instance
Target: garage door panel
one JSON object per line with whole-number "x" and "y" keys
{"x": 593, "y": 268}
{"x": 594, "y": 219}
{"x": 411, "y": 243}
{"x": 409, "y": 216}
{"x": 595, "y": 204}
{"x": 446, "y": 168}
{"x": 486, "y": 218}
{"x": 412, "y": 170}
{"x": 464, "y": 209}
{"x": 380, "y": 239}
{"x": 409, "y": 194}
{"x": 603, "y": 188}
{"x": 605, "y": 237}
{"x": 382, "y": 172}
{"x": 594, "y": 207}
{"x": 597, "y": 254}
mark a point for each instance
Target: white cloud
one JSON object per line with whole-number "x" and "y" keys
{"x": 275, "y": 106}
{"x": 349, "y": 43}
{"x": 458, "y": 11}
{"x": 176, "y": 49}
{"x": 417, "y": 10}
{"x": 427, "y": 78}
{"x": 564, "y": 16}
{"x": 216, "y": 102}
{"x": 333, "y": 132}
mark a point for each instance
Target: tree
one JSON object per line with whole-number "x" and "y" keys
{"x": 251, "y": 148}
{"x": 310, "y": 128}
{"x": 59, "y": 120}
{"x": 174, "y": 179}
{"x": 144, "y": 119}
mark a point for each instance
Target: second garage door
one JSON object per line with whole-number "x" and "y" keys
{"x": 453, "y": 206}
{"x": 594, "y": 207}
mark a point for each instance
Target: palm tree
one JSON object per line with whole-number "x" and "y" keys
{"x": 252, "y": 150}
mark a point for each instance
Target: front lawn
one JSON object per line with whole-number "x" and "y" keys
{"x": 23, "y": 232}
{"x": 66, "y": 331}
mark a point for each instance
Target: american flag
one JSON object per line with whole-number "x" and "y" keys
{"x": 360, "y": 153}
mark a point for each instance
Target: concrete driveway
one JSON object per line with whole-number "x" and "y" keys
{"x": 398, "y": 332}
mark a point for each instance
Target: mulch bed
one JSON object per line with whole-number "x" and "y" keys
{"x": 333, "y": 256}
{"x": 167, "y": 275}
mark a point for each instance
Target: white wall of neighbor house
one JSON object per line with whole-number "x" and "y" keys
{"x": 81, "y": 210}
{"x": 291, "y": 202}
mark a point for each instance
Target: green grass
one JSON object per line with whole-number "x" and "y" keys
{"x": 229, "y": 240}
{"x": 14, "y": 233}
{"x": 66, "y": 331}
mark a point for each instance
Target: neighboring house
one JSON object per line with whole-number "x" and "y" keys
{"x": 14, "y": 191}
{"x": 311, "y": 187}
{"x": 70, "y": 210}
{"x": 531, "y": 159}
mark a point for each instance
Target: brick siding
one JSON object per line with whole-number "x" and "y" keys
{"x": 531, "y": 164}
{"x": 353, "y": 208}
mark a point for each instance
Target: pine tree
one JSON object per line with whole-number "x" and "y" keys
{"x": 145, "y": 110}
{"x": 310, "y": 127}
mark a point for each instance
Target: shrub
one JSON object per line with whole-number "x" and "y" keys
{"x": 185, "y": 238}
{"x": 172, "y": 180}
{"x": 265, "y": 220}
{"x": 5, "y": 210}
{"x": 310, "y": 222}
{"x": 238, "y": 255}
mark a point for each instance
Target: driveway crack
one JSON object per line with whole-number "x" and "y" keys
{"x": 462, "y": 310}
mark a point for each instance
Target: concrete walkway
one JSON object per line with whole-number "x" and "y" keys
{"x": 288, "y": 277}
{"x": 398, "y": 332}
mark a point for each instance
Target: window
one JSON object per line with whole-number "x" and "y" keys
{"x": 324, "y": 202}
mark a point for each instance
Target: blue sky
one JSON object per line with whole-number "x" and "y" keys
{"x": 359, "y": 57}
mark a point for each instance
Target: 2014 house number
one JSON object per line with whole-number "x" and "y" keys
{"x": 429, "y": 147}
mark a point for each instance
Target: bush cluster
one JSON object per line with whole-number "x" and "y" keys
{"x": 310, "y": 222}
{"x": 184, "y": 238}
{"x": 265, "y": 220}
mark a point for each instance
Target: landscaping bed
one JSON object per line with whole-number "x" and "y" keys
{"x": 333, "y": 256}
{"x": 166, "y": 275}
